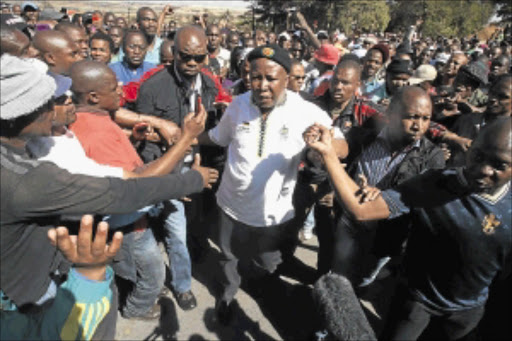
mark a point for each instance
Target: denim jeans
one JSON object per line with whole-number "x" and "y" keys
{"x": 175, "y": 230}
{"x": 150, "y": 272}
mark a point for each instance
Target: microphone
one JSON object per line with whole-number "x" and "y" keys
{"x": 340, "y": 309}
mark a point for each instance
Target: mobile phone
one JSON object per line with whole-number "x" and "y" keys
{"x": 198, "y": 103}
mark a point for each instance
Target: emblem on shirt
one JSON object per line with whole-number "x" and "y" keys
{"x": 489, "y": 224}
{"x": 284, "y": 132}
{"x": 268, "y": 52}
{"x": 244, "y": 127}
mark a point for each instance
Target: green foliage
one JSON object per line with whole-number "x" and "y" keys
{"x": 438, "y": 17}
{"x": 442, "y": 17}
{"x": 366, "y": 15}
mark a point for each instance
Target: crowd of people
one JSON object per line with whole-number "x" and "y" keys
{"x": 394, "y": 149}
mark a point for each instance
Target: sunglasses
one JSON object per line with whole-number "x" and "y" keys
{"x": 299, "y": 77}
{"x": 199, "y": 58}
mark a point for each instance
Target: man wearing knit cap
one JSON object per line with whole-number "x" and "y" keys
{"x": 262, "y": 131}
{"x": 34, "y": 195}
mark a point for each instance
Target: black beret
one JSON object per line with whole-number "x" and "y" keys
{"x": 273, "y": 52}
{"x": 398, "y": 66}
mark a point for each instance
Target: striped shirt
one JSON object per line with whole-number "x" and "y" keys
{"x": 378, "y": 163}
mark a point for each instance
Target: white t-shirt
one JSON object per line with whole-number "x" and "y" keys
{"x": 224, "y": 57}
{"x": 262, "y": 162}
{"x": 66, "y": 152}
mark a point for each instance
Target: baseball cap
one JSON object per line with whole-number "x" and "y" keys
{"x": 422, "y": 74}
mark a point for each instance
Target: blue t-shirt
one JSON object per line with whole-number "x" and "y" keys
{"x": 459, "y": 240}
{"x": 126, "y": 75}
{"x": 152, "y": 56}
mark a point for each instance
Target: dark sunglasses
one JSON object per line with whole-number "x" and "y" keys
{"x": 299, "y": 77}
{"x": 199, "y": 58}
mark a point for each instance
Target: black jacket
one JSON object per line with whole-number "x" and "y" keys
{"x": 165, "y": 96}
{"x": 426, "y": 156}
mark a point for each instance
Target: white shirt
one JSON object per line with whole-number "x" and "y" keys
{"x": 224, "y": 57}
{"x": 66, "y": 152}
{"x": 263, "y": 158}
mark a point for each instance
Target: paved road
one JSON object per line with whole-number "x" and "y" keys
{"x": 286, "y": 311}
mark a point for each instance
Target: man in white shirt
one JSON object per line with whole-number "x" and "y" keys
{"x": 262, "y": 130}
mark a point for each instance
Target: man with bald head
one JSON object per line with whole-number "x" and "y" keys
{"x": 386, "y": 159}
{"x": 459, "y": 238}
{"x": 95, "y": 86}
{"x": 57, "y": 50}
{"x": 16, "y": 43}
{"x": 171, "y": 94}
{"x": 77, "y": 35}
{"x": 262, "y": 131}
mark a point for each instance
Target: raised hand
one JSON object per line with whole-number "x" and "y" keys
{"x": 319, "y": 138}
{"x": 194, "y": 124}
{"x": 88, "y": 256}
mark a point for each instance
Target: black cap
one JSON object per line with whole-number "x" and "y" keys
{"x": 398, "y": 66}
{"x": 273, "y": 52}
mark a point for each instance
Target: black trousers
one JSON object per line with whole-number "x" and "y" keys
{"x": 413, "y": 318}
{"x": 264, "y": 247}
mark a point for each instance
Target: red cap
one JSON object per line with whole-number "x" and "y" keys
{"x": 327, "y": 54}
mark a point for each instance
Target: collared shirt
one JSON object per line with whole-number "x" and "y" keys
{"x": 125, "y": 74}
{"x": 378, "y": 163}
{"x": 263, "y": 157}
{"x": 152, "y": 56}
{"x": 195, "y": 91}
{"x": 459, "y": 240}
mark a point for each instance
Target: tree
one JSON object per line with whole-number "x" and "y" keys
{"x": 366, "y": 15}
{"x": 447, "y": 18}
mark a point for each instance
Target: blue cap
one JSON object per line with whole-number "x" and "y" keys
{"x": 63, "y": 84}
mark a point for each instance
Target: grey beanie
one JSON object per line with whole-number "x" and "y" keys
{"x": 24, "y": 86}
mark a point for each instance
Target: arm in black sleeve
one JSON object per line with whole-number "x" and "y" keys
{"x": 49, "y": 190}
{"x": 145, "y": 102}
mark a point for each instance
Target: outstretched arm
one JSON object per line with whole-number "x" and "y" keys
{"x": 350, "y": 194}
{"x": 83, "y": 300}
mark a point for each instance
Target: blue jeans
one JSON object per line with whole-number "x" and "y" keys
{"x": 175, "y": 230}
{"x": 150, "y": 270}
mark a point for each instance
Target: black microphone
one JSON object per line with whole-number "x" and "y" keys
{"x": 340, "y": 309}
